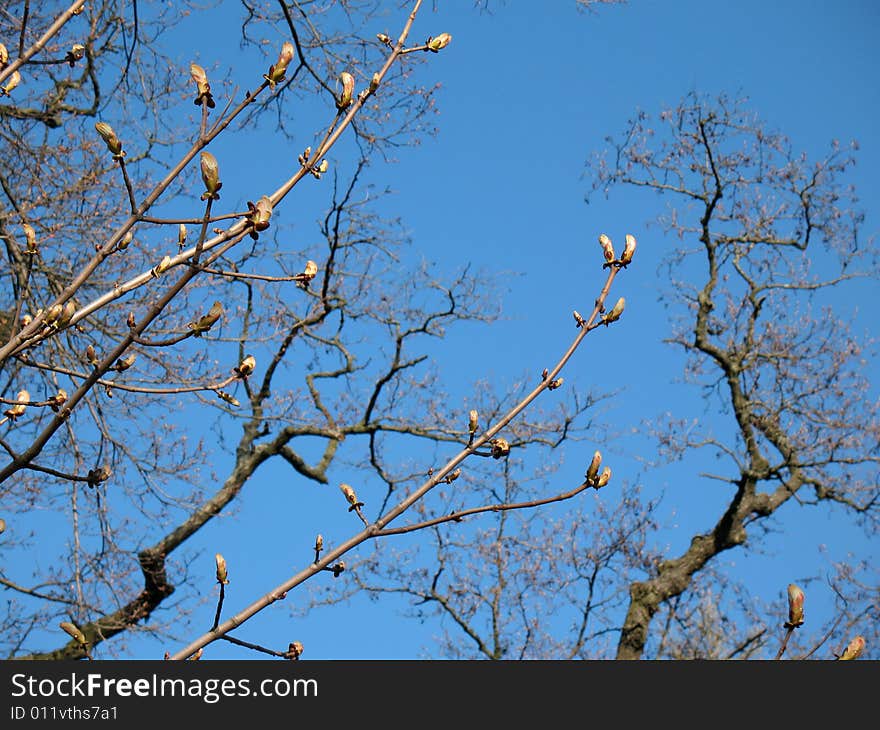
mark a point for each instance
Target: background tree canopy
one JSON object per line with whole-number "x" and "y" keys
{"x": 311, "y": 345}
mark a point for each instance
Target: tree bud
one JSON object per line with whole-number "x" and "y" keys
{"x": 123, "y": 364}
{"x": 383, "y": 38}
{"x": 58, "y": 400}
{"x": 259, "y": 215}
{"x": 294, "y": 650}
{"x": 345, "y": 98}
{"x": 593, "y": 468}
{"x": 14, "y": 80}
{"x": 277, "y": 71}
{"x": 439, "y": 42}
{"x": 91, "y": 355}
{"x": 222, "y": 574}
{"x": 203, "y": 88}
{"x": 607, "y": 248}
{"x": 98, "y": 475}
{"x": 616, "y": 311}
{"x": 604, "y": 477}
{"x": 246, "y": 366}
{"x": 629, "y": 249}
{"x": 22, "y": 399}
{"x": 204, "y": 323}
{"x": 30, "y": 236}
{"x": 71, "y": 629}
{"x": 795, "y": 606}
{"x": 163, "y": 266}
{"x": 319, "y": 543}
{"x": 2, "y": 525}
{"x": 374, "y": 82}
{"x": 854, "y": 649}
{"x": 224, "y": 396}
{"x": 473, "y": 421}
{"x": 210, "y": 176}
{"x": 500, "y": 447}
{"x": 110, "y": 138}
{"x": 4, "y": 56}
{"x": 310, "y": 271}
{"x": 350, "y": 495}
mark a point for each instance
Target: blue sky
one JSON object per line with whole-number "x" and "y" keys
{"x": 529, "y": 91}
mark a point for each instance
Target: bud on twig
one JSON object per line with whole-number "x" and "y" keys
{"x": 204, "y": 323}
{"x": 795, "y": 607}
{"x": 593, "y": 468}
{"x": 578, "y": 319}
{"x": 854, "y": 649}
{"x": 72, "y": 629}
{"x": 607, "y": 248}
{"x": 554, "y": 384}
{"x": 210, "y": 176}
{"x": 226, "y": 397}
{"x": 76, "y": 52}
{"x": 98, "y": 475}
{"x": 294, "y": 650}
{"x": 259, "y": 215}
{"x": 279, "y": 68}
{"x": 473, "y": 421}
{"x": 222, "y": 574}
{"x": 246, "y": 366}
{"x": 22, "y": 399}
{"x": 2, "y": 525}
{"x": 383, "y": 38}
{"x": 110, "y": 138}
{"x": 123, "y": 364}
{"x": 319, "y": 543}
{"x": 345, "y": 98}
{"x": 14, "y": 80}
{"x": 604, "y": 478}
{"x": 203, "y": 88}
{"x": 374, "y": 82}
{"x": 161, "y": 267}
{"x": 30, "y": 236}
{"x": 4, "y": 56}
{"x": 439, "y": 42}
{"x": 91, "y": 355}
{"x": 615, "y": 312}
{"x": 350, "y": 497}
{"x": 500, "y": 447}
{"x": 58, "y": 400}
{"x": 310, "y": 271}
{"x": 628, "y": 250}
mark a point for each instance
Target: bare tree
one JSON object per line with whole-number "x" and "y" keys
{"x": 134, "y": 296}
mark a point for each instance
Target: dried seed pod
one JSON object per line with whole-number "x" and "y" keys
{"x": 854, "y": 649}
{"x": 616, "y": 311}
{"x": 473, "y": 421}
{"x": 795, "y": 606}
{"x": 73, "y": 631}
{"x": 210, "y": 176}
{"x": 222, "y": 574}
{"x": 439, "y": 42}
{"x": 345, "y": 98}
{"x": 593, "y": 468}
{"x": 500, "y": 447}
{"x": 628, "y": 250}
{"x": 604, "y": 477}
{"x": 607, "y": 248}
{"x": 110, "y": 138}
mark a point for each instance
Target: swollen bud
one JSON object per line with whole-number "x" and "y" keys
{"x": 246, "y": 366}
{"x": 14, "y": 80}
{"x": 222, "y": 574}
{"x": 350, "y": 496}
{"x": 500, "y": 447}
{"x": 473, "y": 421}
{"x": 593, "y": 468}
{"x": 795, "y": 606}
{"x": 181, "y": 235}
{"x": 310, "y": 271}
{"x": 439, "y": 42}
{"x": 210, "y": 176}
{"x": 204, "y": 323}
{"x": 259, "y": 215}
{"x": 294, "y": 650}
{"x": 854, "y": 649}
{"x": 604, "y": 478}
{"x": 71, "y": 629}
{"x": 345, "y": 98}
{"x": 277, "y": 71}
{"x": 628, "y": 250}
{"x": 607, "y": 248}
{"x": 203, "y": 88}
{"x": 374, "y": 82}
{"x": 22, "y": 399}
{"x": 110, "y": 138}
{"x": 616, "y": 311}
{"x": 30, "y": 235}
